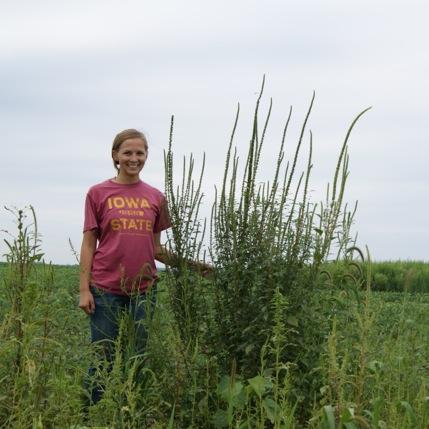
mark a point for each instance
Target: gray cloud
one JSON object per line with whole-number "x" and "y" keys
{"x": 72, "y": 75}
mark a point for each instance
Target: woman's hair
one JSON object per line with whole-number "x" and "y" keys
{"x": 131, "y": 133}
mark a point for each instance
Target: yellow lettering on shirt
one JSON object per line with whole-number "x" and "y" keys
{"x": 119, "y": 202}
{"x": 132, "y": 203}
{"x": 131, "y": 216}
{"x": 144, "y": 204}
{"x": 115, "y": 224}
{"x": 125, "y": 224}
{"x": 125, "y": 212}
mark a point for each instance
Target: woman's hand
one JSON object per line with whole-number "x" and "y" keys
{"x": 86, "y": 302}
{"x": 206, "y": 270}
{"x": 169, "y": 258}
{"x": 89, "y": 242}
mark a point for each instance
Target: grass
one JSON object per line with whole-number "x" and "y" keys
{"x": 393, "y": 375}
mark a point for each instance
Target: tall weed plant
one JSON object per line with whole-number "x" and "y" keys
{"x": 35, "y": 389}
{"x": 266, "y": 241}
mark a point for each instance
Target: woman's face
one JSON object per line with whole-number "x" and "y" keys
{"x": 131, "y": 156}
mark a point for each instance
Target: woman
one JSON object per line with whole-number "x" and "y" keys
{"x": 124, "y": 217}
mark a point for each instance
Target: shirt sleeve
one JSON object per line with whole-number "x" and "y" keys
{"x": 90, "y": 221}
{"x": 162, "y": 221}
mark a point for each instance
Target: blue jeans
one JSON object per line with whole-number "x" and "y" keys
{"x": 113, "y": 313}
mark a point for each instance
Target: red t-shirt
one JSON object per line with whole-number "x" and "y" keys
{"x": 125, "y": 218}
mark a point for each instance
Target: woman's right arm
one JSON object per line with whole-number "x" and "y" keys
{"x": 89, "y": 242}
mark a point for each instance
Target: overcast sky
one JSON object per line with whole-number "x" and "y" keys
{"x": 73, "y": 74}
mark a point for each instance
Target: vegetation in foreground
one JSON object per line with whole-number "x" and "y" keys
{"x": 373, "y": 367}
{"x": 277, "y": 338}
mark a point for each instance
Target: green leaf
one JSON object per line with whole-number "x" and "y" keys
{"x": 293, "y": 321}
{"x": 347, "y": 418}
{"x": 230, "y": 392}
{"x": 375, "y": 366}
{"x": 347, "y": 415}
{"x": 328, "y": 417}
{"x": 223, "y": 387}
{"x": 236, "y": 389}
{"x": 271, "y": 408}
{"x": 220, "y": 419}
{"x": 249, "y": 348}
{"x": 258, "y": 385}
{"x": 409, "y": 412}
{"x": 324, "y": 389}
{"x": 37, "y": 257}
{"x": 171, "y": 420}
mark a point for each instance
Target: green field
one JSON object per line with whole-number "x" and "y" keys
{"x": 372, "y": 370}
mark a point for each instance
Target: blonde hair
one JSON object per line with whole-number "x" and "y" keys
{"x": 130, "y": 133}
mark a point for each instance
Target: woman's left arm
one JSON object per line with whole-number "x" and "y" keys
{"x": 166, "y": 257}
